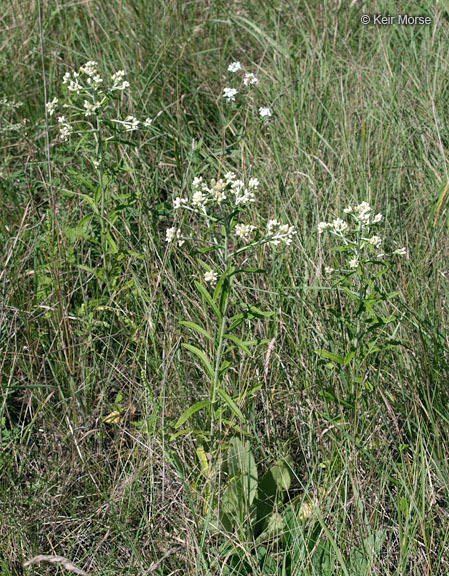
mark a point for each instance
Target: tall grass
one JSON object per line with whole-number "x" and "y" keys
{"x": 359, "y": 113}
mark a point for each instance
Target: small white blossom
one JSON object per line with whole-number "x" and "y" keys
{"x": 245, "y": 198}
{"x": 348, "y": 210}
{"x": 253, "y": 183}
{"x": 377, "y": 218}
{"x": 197, "y": 181}
{"x": 400, "y": 251}
{"x": 363, "y": 212}
{"x": 250, "y": 79}
{"x": 328, "y": 270}
{"x": 229, "y": 177}
{"x": 90, "y": 68}
{"x": 217, "y": 190}
{"x": 170, "y": 234}
{"x": 277, "y": 233}
{"x": 353, "y": 263}
{"x": 323, "y": 226}
{"x": 90, "y": 108}
{"x": 198, "y": 199}
{"x": 65, "y": 129}
{"x": 265, "y": 112}
{"x": 74, "y": 86}
{"x": 245, "y": 231}
{"x": 229, "y": 94}
{"x": 147, "y": 122}
{"x": 211, "y": 278}
{"x": 119, "y": 83}
{"x": 131, "y": 123}
{"x": 339, "y": 225}
{"x": 66, "y": 78}
{"x": 375, "y": 241}
{"x": 179, "y": 203}
{"x": 51, "y": 106}
{"x": 234, "y": 67}
{"x": 237, "y": 186}
{"x": 173, "y": 234}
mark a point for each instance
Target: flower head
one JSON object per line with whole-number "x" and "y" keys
{"x": 51, "y": 106}
{"x": 234, "y": 67}
{"x": 173, "y": 234}
{"x": 265, "y": 112}
{"x": 250, "y": 79}
{"x": 375, "y": 241}
{"x": 119, "y": 82}
{"x": 245, "y": 231}
{"x": 211, "y": 277}
{"x": 339, "y": 225}
{"x": 131, "y": 123}
{"x": 229, "y": 94}
{"x": 323, "y": 226}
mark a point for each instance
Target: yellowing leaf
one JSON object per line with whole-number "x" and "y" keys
{"x": 113, "y": 418}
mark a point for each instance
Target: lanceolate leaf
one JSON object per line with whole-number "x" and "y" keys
{"x": 230, "y": 402}
{"x": 190, "y": 411}
{"x": 239, "y": 343}
{"x": 202, "y": 356}
{"x": 208, "y": 299}
{"x": 197, "y": 328}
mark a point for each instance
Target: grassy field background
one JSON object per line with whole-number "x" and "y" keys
{"x": 360, "y": 113}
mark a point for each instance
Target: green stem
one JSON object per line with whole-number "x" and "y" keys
{"x": 221, "y": 339}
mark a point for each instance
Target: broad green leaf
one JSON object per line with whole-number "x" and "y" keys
{"x": 204, "y": 462}
{"x": 282, "y": 473}
{"x": 197, "y": 328}
{"x": 202, "y": 356}
{"x": 190, "y": 411}
{"x": 242, "y": 470}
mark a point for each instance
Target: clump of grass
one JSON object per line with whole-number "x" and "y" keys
{"x": 358, "y": 114}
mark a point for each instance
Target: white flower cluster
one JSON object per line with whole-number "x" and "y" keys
{"x": 356, "y": 233}
{"x": 249, "y": 79}
{"x": 88, "y": 82}
{"x": 51, "y": 106}
{"x": 65, "y": 129}
{"x": 229, "y": 94}
{"x": 277, "y": 233}
{"x": 172, "y": 234}
{"x": 209, "y": 199}
{"x": 215, "y": 192}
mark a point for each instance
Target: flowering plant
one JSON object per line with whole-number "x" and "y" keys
{"x": 218, "y": 220}
{"x": 363, "y": 261}
{"x": 90, "y": 109}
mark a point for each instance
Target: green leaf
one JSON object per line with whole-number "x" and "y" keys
{"x": 202, "y": 356}
{"x": 208, "y": 299}
{"x": 230, "y": 403}
{"x": 204, "y": 462}
{"x": 239, "y": 343}
{"x": 258, "y": 313}
{"x": 242, "y": 488}
{"x": 190, "y": 411}
{"x": 197, "y": 328}
{"x": 331, "y": 356}
{"x": 248, "y": 271}
{"x": 282, "y": 473}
